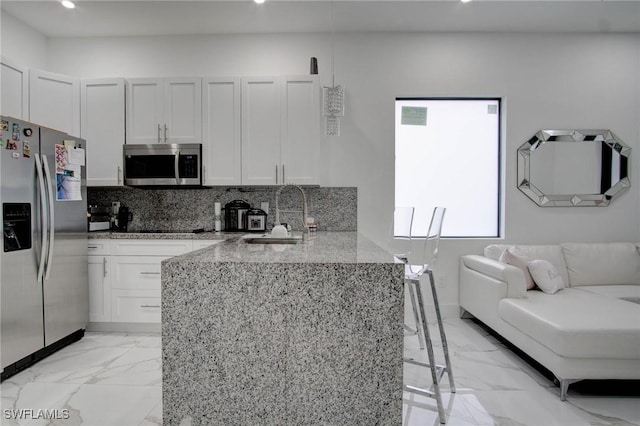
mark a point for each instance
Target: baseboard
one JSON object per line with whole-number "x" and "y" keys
{"x": 124, "y": 327}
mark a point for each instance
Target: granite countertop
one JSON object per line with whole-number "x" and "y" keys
{"x": 325, "y": 247}
{"x": 162, "y": 235}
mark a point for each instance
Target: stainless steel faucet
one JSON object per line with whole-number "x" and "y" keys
{"x": 304, "y": 204}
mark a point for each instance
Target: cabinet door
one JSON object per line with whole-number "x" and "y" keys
{"x": 221, "y": 138}
{"x": 136, "y": 272}
{"x": 145, "y": 119}
{"x": 14, "y": 90}
{"x": 99, "y": 289}
{"x": 54, "y": 101}
{"x": 182, "y": 110}
{"x": 300, "y": 129}
{"x": 261, "y": 131}
{"x": 102, "y": 104}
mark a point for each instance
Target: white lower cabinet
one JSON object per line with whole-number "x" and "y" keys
{"x": 135, "y": 305}
{"x": 125, "y": 281}
{"x": 99, "y": 280}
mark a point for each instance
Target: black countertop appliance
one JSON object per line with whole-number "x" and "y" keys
{"x": 255, "y": 220}
{"x": 234, "y": 215}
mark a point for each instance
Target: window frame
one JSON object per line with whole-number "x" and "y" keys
{"x": 500, "y": 148}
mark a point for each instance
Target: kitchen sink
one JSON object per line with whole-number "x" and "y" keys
{"x": 273, "y": 240}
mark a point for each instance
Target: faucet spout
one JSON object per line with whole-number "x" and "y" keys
{"x": 304, "y": 204}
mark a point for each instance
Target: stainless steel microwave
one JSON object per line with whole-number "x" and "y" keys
{"x": 167, "y": 165}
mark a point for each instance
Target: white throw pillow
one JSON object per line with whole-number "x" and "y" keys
{"x": 546, "y": 276}
{"x": 514, "y": 257}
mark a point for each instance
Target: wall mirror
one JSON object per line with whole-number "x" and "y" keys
{"x": 573, "y": 167}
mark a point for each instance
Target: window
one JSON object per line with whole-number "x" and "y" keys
{"x": 448, "y": 154}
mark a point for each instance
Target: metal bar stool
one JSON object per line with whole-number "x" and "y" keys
{"x": 413, "y": 273}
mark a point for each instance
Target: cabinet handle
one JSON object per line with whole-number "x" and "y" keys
{"x": 93, "y": 247}
{"x": 276, "y": 174}
{"x": 150, "y": 306}
{"x": 283, "y": 178}
{"x": 159, "y": 130}
{"x": 165, "y": 133}
{"x": 119, "y": 175}
{"x": 149, "y": 273}
{"x": 104, "y": 266}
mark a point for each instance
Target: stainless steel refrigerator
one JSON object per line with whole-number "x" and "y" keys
{"x": 44, "y": 291}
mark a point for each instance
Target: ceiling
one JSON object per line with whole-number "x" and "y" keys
{"x": 152, "y": 17}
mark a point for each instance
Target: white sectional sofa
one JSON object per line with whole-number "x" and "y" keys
{"x": 588, "y": 330}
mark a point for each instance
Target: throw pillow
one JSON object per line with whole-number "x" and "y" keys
{"x": 546, "y": 276}
{"x": 513, "y": 256}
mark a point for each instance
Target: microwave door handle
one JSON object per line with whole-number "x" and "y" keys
{"x": 43, "y": 217}
{"x": 177, "y": 167}
{"x": 50, "y": 190}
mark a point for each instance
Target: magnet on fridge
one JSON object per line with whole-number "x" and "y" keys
{"x": 16, "y": 132}
{"x": 11, "y": 145}
{"x": 26, "y": 149}
{"x": 15, "y": 154}
{"x": 28, "y": 132}
{"x": 4, "y": 125}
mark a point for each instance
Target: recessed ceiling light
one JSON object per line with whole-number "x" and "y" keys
{"x": 465, "y": 1}
{"x": 68, "y": 4}
{"x": 259, "y": 1}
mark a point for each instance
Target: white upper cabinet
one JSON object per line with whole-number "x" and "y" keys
{"x": 280, "y": 130}
{"x": 164, "y": 110}
{"x": 102, "y": 112}
{"x": 221, "y": 131}
{"x": 54, "y": 101}
{"x": 300, "y": 129}
{"x": 261, "y": 131}
{"x": 14, "y": 90}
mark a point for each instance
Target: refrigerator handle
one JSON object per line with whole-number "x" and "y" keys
{"x": 51, "y": 216}
{"x": 43, "y": 217}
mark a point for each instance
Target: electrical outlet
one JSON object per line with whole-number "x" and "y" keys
{"x": 265, "y": 206}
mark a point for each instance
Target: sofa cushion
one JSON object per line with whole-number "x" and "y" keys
{"x": 577, "y": 324}
{"x": 602, "y": 263}
{"x": 514, "y": 257}
{"x": 546, "y": 276}
{"x": 550, "y": 252}
{"x": 625, "y": 292}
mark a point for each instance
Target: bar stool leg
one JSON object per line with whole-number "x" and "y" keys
{"x": 432, "y": 358}
{"x": 416, "y": 317}
{"x": 443, "y": 337}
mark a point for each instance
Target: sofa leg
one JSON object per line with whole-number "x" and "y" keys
{"x": 464, "y": 314}
{"x": 564, "y": 387}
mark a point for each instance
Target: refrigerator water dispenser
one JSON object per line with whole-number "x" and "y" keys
{"x": 16, "y": 224}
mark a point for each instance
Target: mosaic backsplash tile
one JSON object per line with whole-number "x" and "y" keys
{"x": 334, "y": 209}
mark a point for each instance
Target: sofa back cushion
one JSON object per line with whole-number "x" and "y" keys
{"x": 602, "y": 263}
{"x": 549, "y": 252}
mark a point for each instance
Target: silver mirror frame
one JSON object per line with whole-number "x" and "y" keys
{"x": 572, "y": 136}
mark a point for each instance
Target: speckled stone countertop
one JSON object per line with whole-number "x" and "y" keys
{"x": 312, "y": 334}
{"x": 162, "y": 235}
{"x": 326, "y": 247}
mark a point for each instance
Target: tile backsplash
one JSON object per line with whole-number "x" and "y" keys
{"x": 334, "y": 209}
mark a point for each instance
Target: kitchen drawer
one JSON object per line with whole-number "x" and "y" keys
{"x": 135, "y": 306}
{"x": 151, "y": 247}
{"x": 136, "y": 272}
{"x": 198, "y": 244}
{"x": 98, "y": 246}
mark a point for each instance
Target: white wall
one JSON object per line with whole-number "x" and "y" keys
{"x": 546, "y": 81}
{"x": 21, "y": 43}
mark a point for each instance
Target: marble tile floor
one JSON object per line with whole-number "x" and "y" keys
{"x": 115, "y": 379}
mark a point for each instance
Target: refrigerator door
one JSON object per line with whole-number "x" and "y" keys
{"x": 21, "y": 294}
{"x": 65, "y": 286}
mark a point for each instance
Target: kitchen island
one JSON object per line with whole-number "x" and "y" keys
{"x": 309, "y": 333}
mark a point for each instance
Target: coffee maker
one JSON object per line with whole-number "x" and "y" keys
{"x": 234, "y": 213}
{"x": 125, "y": 215}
